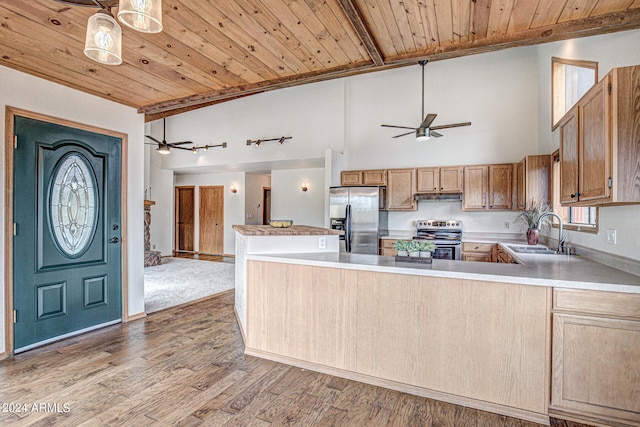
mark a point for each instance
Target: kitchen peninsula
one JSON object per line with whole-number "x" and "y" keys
{"x": 264, "y": 239}
{"x": 475, "y": 334}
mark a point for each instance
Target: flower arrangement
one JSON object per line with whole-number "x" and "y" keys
{"x": 426, "y": 246}
{"x": 401, "y": 245}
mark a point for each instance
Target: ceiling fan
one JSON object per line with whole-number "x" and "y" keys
{"x": 165, "y": 147}
{"x": 425, "y": 130}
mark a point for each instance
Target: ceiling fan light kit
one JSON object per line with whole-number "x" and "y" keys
{"x": 165, "y": 147}
{"x": 425, "y": 130}
{"x": 103, "y": 40}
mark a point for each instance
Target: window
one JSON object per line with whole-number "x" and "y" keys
{"x": 574, "y": 218}
{"x": 570, "y": 79}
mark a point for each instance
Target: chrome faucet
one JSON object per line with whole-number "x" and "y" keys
{"x": 560, "y": 238}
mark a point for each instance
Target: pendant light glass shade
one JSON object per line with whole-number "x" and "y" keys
{"x": 103, "y": 42}
{"x": 141, "y": 15}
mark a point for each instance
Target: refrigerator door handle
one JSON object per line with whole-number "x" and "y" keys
{"x": 347, "y": 230}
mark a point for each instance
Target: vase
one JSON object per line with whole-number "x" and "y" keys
{"x": 533, "y": 235}
{"x": 424, "y": 254}
{"x": 414, "y": 254}
{"x": 403, "y": 253}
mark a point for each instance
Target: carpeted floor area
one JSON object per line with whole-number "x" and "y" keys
{"x": 180, "y": 280}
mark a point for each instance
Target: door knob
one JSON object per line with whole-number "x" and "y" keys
{"x": 114, "y": 240}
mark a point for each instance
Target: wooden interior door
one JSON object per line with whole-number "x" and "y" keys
{"x": 185, "y": 211}
{"x": 266, "y": 205}
{"x": 211, "y": 220}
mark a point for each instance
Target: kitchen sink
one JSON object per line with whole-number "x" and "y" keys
{"x": 537, "y": 250}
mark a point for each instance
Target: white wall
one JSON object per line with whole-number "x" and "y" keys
{"x": 254, "y": 184}
{"x": 233, "y": 202}
{"x": 160, "y": 190}
{"x": 288, "y": 201}
{"x": 33, "y": 94}
{"x": 612, "y": 50}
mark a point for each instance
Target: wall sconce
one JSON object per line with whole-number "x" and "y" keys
{"x": 257, "y": 142}
{"x": 234, "y": 189}
{"x": 304, "y": 187}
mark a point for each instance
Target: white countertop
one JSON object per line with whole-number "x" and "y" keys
{"x": 541, "y": 270}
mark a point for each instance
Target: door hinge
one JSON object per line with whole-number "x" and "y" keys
{"x": 15, "y": 316}
{"x": 15, "y": 142}
{"x": 609, "y": 88}
{"x": 610, "y": 182}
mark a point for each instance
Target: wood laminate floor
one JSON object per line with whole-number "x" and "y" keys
{"x": 185, "y": 366}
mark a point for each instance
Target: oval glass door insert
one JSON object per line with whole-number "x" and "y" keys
{"x": 73, "y": 205}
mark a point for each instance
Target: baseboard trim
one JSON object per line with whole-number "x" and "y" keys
{"x": 244, "y": 338}
{"x": 404, "y": 388}
{"x": 589, "y": 419}
{"x": 136, "y": 316}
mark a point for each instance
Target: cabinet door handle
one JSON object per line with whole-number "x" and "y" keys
{"x": 573, "y": 196}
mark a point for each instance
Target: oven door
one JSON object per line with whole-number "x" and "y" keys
{"x": 451, "y": 251}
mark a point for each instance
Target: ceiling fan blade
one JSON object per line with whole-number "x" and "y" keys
{"x": 173, "y": 144}
{"x": 404, "y": 134}
{"x": 435, "y": 134}
{"x": 399, "y": 127}
{"x": 429, "y": 118}
{"x": 153, "y": 139}
{"x": 453, "y": 125}
{"x": 180, "y": 148}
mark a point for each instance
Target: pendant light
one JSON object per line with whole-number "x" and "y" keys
{"x": 103, "y": 41}
{"x": 141, "y": 15}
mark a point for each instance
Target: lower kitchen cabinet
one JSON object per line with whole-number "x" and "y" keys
{"x": 502, "y": 256}
{"x": 481, "y": 252}
{"x": 596, "y": 357}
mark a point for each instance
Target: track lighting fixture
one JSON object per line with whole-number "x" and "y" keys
{"x": 103, "y": 40}
{"x": 257, "y": 142}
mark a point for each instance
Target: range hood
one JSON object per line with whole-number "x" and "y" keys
{"x": 439, "y": 197}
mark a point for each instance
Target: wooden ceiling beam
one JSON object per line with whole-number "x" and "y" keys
{"x": 357, "y": 22}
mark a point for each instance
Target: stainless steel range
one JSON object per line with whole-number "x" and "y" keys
{"x": 445, "y": 234}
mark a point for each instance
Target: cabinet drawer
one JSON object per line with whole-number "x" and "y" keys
{"x": 387, "y": 243}
{"x": 597, "y": 302}
{"x": 477, "y": 247}
{"x": 476, "y": 256}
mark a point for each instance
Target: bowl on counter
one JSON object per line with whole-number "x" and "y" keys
{"x": 280, "y": 223}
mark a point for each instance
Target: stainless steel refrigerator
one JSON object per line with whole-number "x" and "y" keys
{"x": 361, "y": 212}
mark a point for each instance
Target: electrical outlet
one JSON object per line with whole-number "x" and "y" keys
{"x": 322, "y": 242}
{"x": 505, "y": 225}
{"x": 611, "y": 236}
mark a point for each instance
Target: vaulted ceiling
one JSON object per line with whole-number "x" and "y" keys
{"x": 211, "y": 51}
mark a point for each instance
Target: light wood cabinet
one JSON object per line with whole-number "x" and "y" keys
{"x": 400, "y": 189}
{"x": 373, "y": 177}
{"x": 480, "y": 252}
{"x": 596, "y": 357}
{"x": 351, "y": 178}
{"x": 377, "y": 177}
{"x": 599, "y": 151}
{"x": 532, "y": 181}
{"x": 488, "y": 187}
{"x": 440, "y": 180}
{"x": 502, "y": 256}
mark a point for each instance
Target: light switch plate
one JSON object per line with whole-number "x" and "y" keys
{"x": 611, "y": 236}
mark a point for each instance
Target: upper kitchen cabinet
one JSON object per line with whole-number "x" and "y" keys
{"x": 488, "y": 187}
{"x": 600, "y": 143}
{"x": 400, "y": 189}
{"x": 376, "y": 177}
{"x": 532, "y": 179}
{"x": 440, "y": 180}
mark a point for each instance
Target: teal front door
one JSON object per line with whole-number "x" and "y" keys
{"x": 67, "y": 274}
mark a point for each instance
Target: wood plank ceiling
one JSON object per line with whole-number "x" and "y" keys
{"x": 213, "y": 51}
